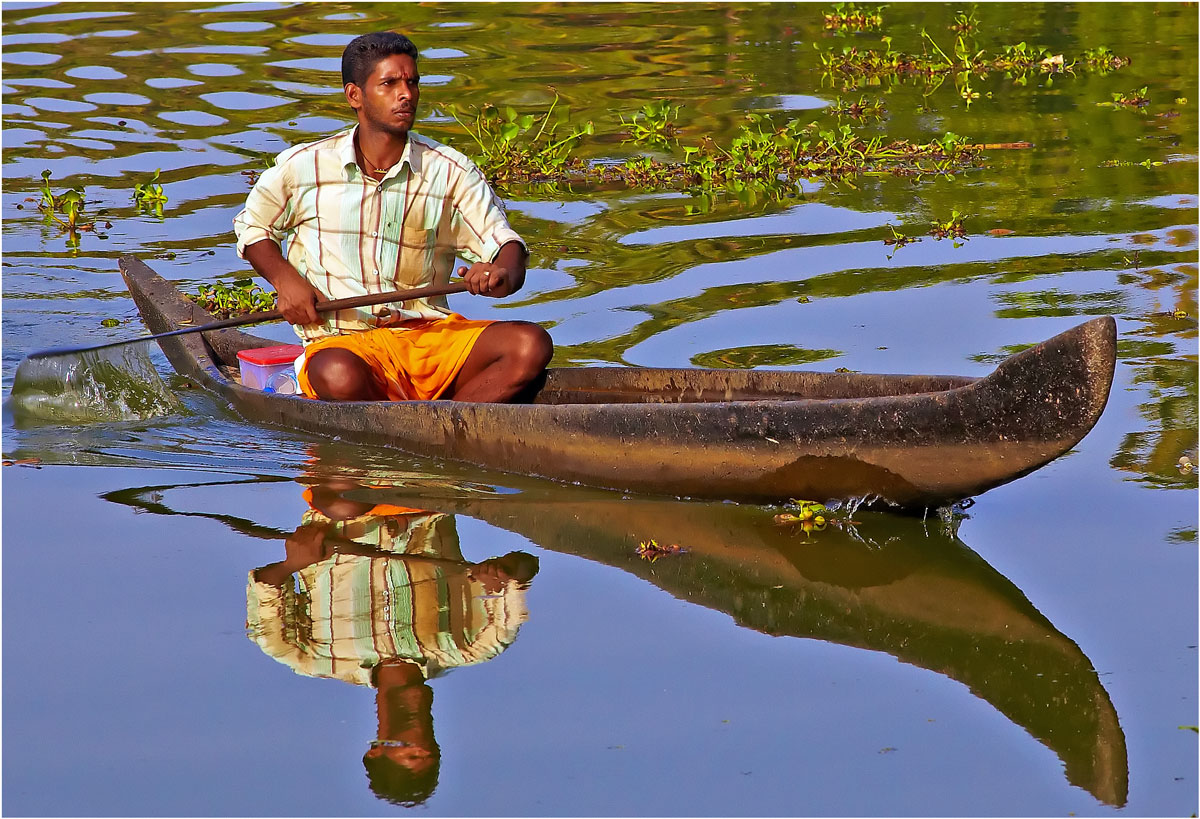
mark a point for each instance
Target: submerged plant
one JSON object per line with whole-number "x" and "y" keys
{"x": 238, "y": 299}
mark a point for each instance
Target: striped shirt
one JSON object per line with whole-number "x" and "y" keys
{"x": 342, "y": 616}
{"x": 350, "y": 235}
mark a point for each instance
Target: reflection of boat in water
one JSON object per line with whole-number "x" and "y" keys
{"x": 890, "y": 584}
{"x": 894, "y": 585}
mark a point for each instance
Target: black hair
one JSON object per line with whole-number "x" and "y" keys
{"x": 364, "y": 53}
{"x": 391, "y": 781}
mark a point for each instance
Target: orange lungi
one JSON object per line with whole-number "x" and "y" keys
{"x": 416, "y": 360}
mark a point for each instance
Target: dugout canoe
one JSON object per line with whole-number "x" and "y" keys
{"x": 759, "y": 436}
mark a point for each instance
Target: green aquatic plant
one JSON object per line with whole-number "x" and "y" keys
{"x": 849, "y": 16}
{"x": 1125, "y": 163}
{"x": 762, "y": 160}
{"x": 1103, "y": 60}
{"x": 650, "y": 550}
{"x": 899, "y": 240}
{"x": 238, "y": 299}
{"x": 265, "y": 161}
{"x": 860, "y": 110}
{"x": 70, "y": 204}
{"x": 854, "y": 67}
{"x": 149, "y": 195}
{"x": 807, "y": 516}
{"x": 952, "y": 228}
{"x": 1132, "y": 99}
{"x": 966, "y": 22}
{"x": 510, "y": 146}
{"x": 654, "y": 124}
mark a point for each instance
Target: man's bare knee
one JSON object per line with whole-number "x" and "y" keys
{"x": 337, "y": 374}
{"x": 531, "y": 348}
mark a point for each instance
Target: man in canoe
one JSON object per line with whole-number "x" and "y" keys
{"x": 378, "y": 207}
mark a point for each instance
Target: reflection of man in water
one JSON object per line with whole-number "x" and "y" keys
{"x": 381, "y": 596}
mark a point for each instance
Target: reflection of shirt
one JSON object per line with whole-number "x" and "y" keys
{"x": 346, "y": 614}
{"x": 350, "y": 235}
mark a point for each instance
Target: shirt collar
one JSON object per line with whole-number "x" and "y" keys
{"x": 411, "y": 155}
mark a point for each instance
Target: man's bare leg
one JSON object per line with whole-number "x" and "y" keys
{"x": 507, "y": 357}
{"x": 336, "y": 374}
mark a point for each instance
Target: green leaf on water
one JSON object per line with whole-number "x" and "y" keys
{"x": 110, "y": 322}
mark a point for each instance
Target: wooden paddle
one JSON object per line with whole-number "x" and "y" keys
{"x": 268, "y": 315}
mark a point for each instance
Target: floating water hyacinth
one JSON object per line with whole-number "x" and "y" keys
{"x": 95, "y": 386}
{"x": 650, "y": 550}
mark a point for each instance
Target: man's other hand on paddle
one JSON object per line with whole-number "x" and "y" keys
{"x": 499, "y": 278}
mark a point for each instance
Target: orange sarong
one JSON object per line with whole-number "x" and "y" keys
{"x": 413, "y": 361}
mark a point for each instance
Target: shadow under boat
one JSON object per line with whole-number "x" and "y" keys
{"x": 899, "y": 585}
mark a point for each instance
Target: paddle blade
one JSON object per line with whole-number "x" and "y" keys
{"x": 95, "y": 386}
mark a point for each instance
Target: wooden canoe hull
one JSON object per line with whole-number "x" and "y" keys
{"x": 757, "y": 436}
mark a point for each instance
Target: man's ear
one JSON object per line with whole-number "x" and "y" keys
{"x": 353, "y": 95}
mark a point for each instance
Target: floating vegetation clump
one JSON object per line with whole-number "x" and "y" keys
{"x": 504, "y": 157}
{"x": 650, "y": 550}
{"x": 149, "y": 196}
{"x": 805, "y": 516}
{"x": 69, "y": 204}
{"x": 861, "y": 110}
{"x": 1103, "y": 60}
{"x": 252, "y": 174}
{"x": 226, "y": 301}
{"x": 899, "y": 240}
{"x": 654, "y": 124}
{"x": 854, "y": 67}
{"x": 952, "y": 228}
{"x": 1128, "y": 163}
{"x": 848, "y": 16}
{"x": 1131, "y": 99}
{"x": 762, "y": 157}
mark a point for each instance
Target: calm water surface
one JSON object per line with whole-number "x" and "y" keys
{"x": 1033, "y": 656}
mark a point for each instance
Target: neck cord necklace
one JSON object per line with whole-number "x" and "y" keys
{"x": 372, "y": 167}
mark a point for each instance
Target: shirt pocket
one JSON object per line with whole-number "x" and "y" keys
{"x": 414, "y": 265}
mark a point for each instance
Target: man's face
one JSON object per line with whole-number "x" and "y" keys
{"x": 388, "y": 98}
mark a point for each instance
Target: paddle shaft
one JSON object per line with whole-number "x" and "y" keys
{"x": 269, "y": 315}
